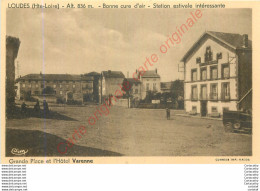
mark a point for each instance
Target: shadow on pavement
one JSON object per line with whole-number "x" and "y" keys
{"x": 39, "y": 143}
{"x": 17, "y": 114}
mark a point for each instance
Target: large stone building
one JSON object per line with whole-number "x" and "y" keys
{"x": 12, "y": 47}
{"x": 218, "y": 74}
{"x": 65, "y": 87}
{"x": 110, "y": 83}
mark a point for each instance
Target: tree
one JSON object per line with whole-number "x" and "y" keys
{"x": 127, "y": 88}
{"x": 177, "y": 93}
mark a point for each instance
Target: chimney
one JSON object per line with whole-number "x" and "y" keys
{"x": 245, "y": 40}
{"x": 156, "y": 70}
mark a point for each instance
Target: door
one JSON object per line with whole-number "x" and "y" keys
{"x": 203, "y": 108}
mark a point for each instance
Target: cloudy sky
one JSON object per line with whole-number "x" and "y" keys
{"x": 81, "y": 41}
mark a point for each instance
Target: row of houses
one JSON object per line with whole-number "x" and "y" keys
{"x": 217, "y": 77}
{"x": 90, "y": 87}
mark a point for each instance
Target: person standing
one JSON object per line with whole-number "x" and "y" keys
{"x": 45, "y": 106}
{"x": 23, "y": 108}
{"x": 168, "y": 113}
{"x": 37, "y": 106}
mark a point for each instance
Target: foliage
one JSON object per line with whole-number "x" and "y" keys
{"x": 126, "y": 89}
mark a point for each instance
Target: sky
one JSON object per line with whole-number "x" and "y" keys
{"x": 81, "y": 41}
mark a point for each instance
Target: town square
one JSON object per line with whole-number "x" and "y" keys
{"x": 128, "y": 85}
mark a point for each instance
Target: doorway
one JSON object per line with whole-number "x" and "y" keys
{"x": 203, "y": 108}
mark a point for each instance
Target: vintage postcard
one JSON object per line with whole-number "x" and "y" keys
{"x": 129, "y": 82}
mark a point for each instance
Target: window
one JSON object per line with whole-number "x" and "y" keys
{"x": 60, "y": 86}
{"x": 54, "y": 85}
{"x": 154, "y": 86}
{"x": 36, "y": 85}
{"x": 60, "y": 92}
{"x": 213, "y": 72}
{"x": 225, "y": 108}
{"x": 147, "y": 87}
{"x": 225, "y": 71}
{"x": 214, "y": 109}
{"x": 194, "y": 93}
{"x": 219, "y": 56}
{"x": 203, "y": 92}
{"x": 214, "y": 91}
{"x": 23, "y": 85}
{"x": 194, "y": 109}
{"x": 194, "y": 75}
{"x": 208, "y": 54}
{"x": 203, "y": 74}
{"x": 90, "y": 85}
{"x": 198, "y": 60}
{"x": 225, "y": 91}
{"x": 73, "y": 85}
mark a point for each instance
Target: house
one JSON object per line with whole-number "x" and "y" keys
{"x": 61, "y": 86}
{"x": 12, "y": 47}
{"x": 218, "y": 74}
{"x": 150, "y": 81}
{"x": 110, "y": 83}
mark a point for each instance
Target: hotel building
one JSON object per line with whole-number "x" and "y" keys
{"x": 218, "y": 74}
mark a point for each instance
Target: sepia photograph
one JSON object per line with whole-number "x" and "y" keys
{"x": 128, "y": 83}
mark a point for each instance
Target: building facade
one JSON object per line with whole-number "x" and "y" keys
{"x": 62, "y": 86}
{"x": 96, "y": 85}
{"x": 150, "y": 81}
{"x": 110, "y": 83}
{"x": 218, "y": 74}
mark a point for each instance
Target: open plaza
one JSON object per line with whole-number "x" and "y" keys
{"x": 124, "y": 132}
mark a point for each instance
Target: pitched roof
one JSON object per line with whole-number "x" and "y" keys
{"x": 151, "y": 74}
{"x": 113, "y": 74}
{"x": 232, "y": 40}
{"x": 53, "y": 77}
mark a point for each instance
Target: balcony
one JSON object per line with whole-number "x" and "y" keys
{"x": 208, "y": 63}
{"x": 203, "y": 97}
{"x": 225, "y": 97}
{"x": 194, "y": 97}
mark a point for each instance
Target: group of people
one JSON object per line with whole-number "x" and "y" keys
{"x": 36, "y": 107}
